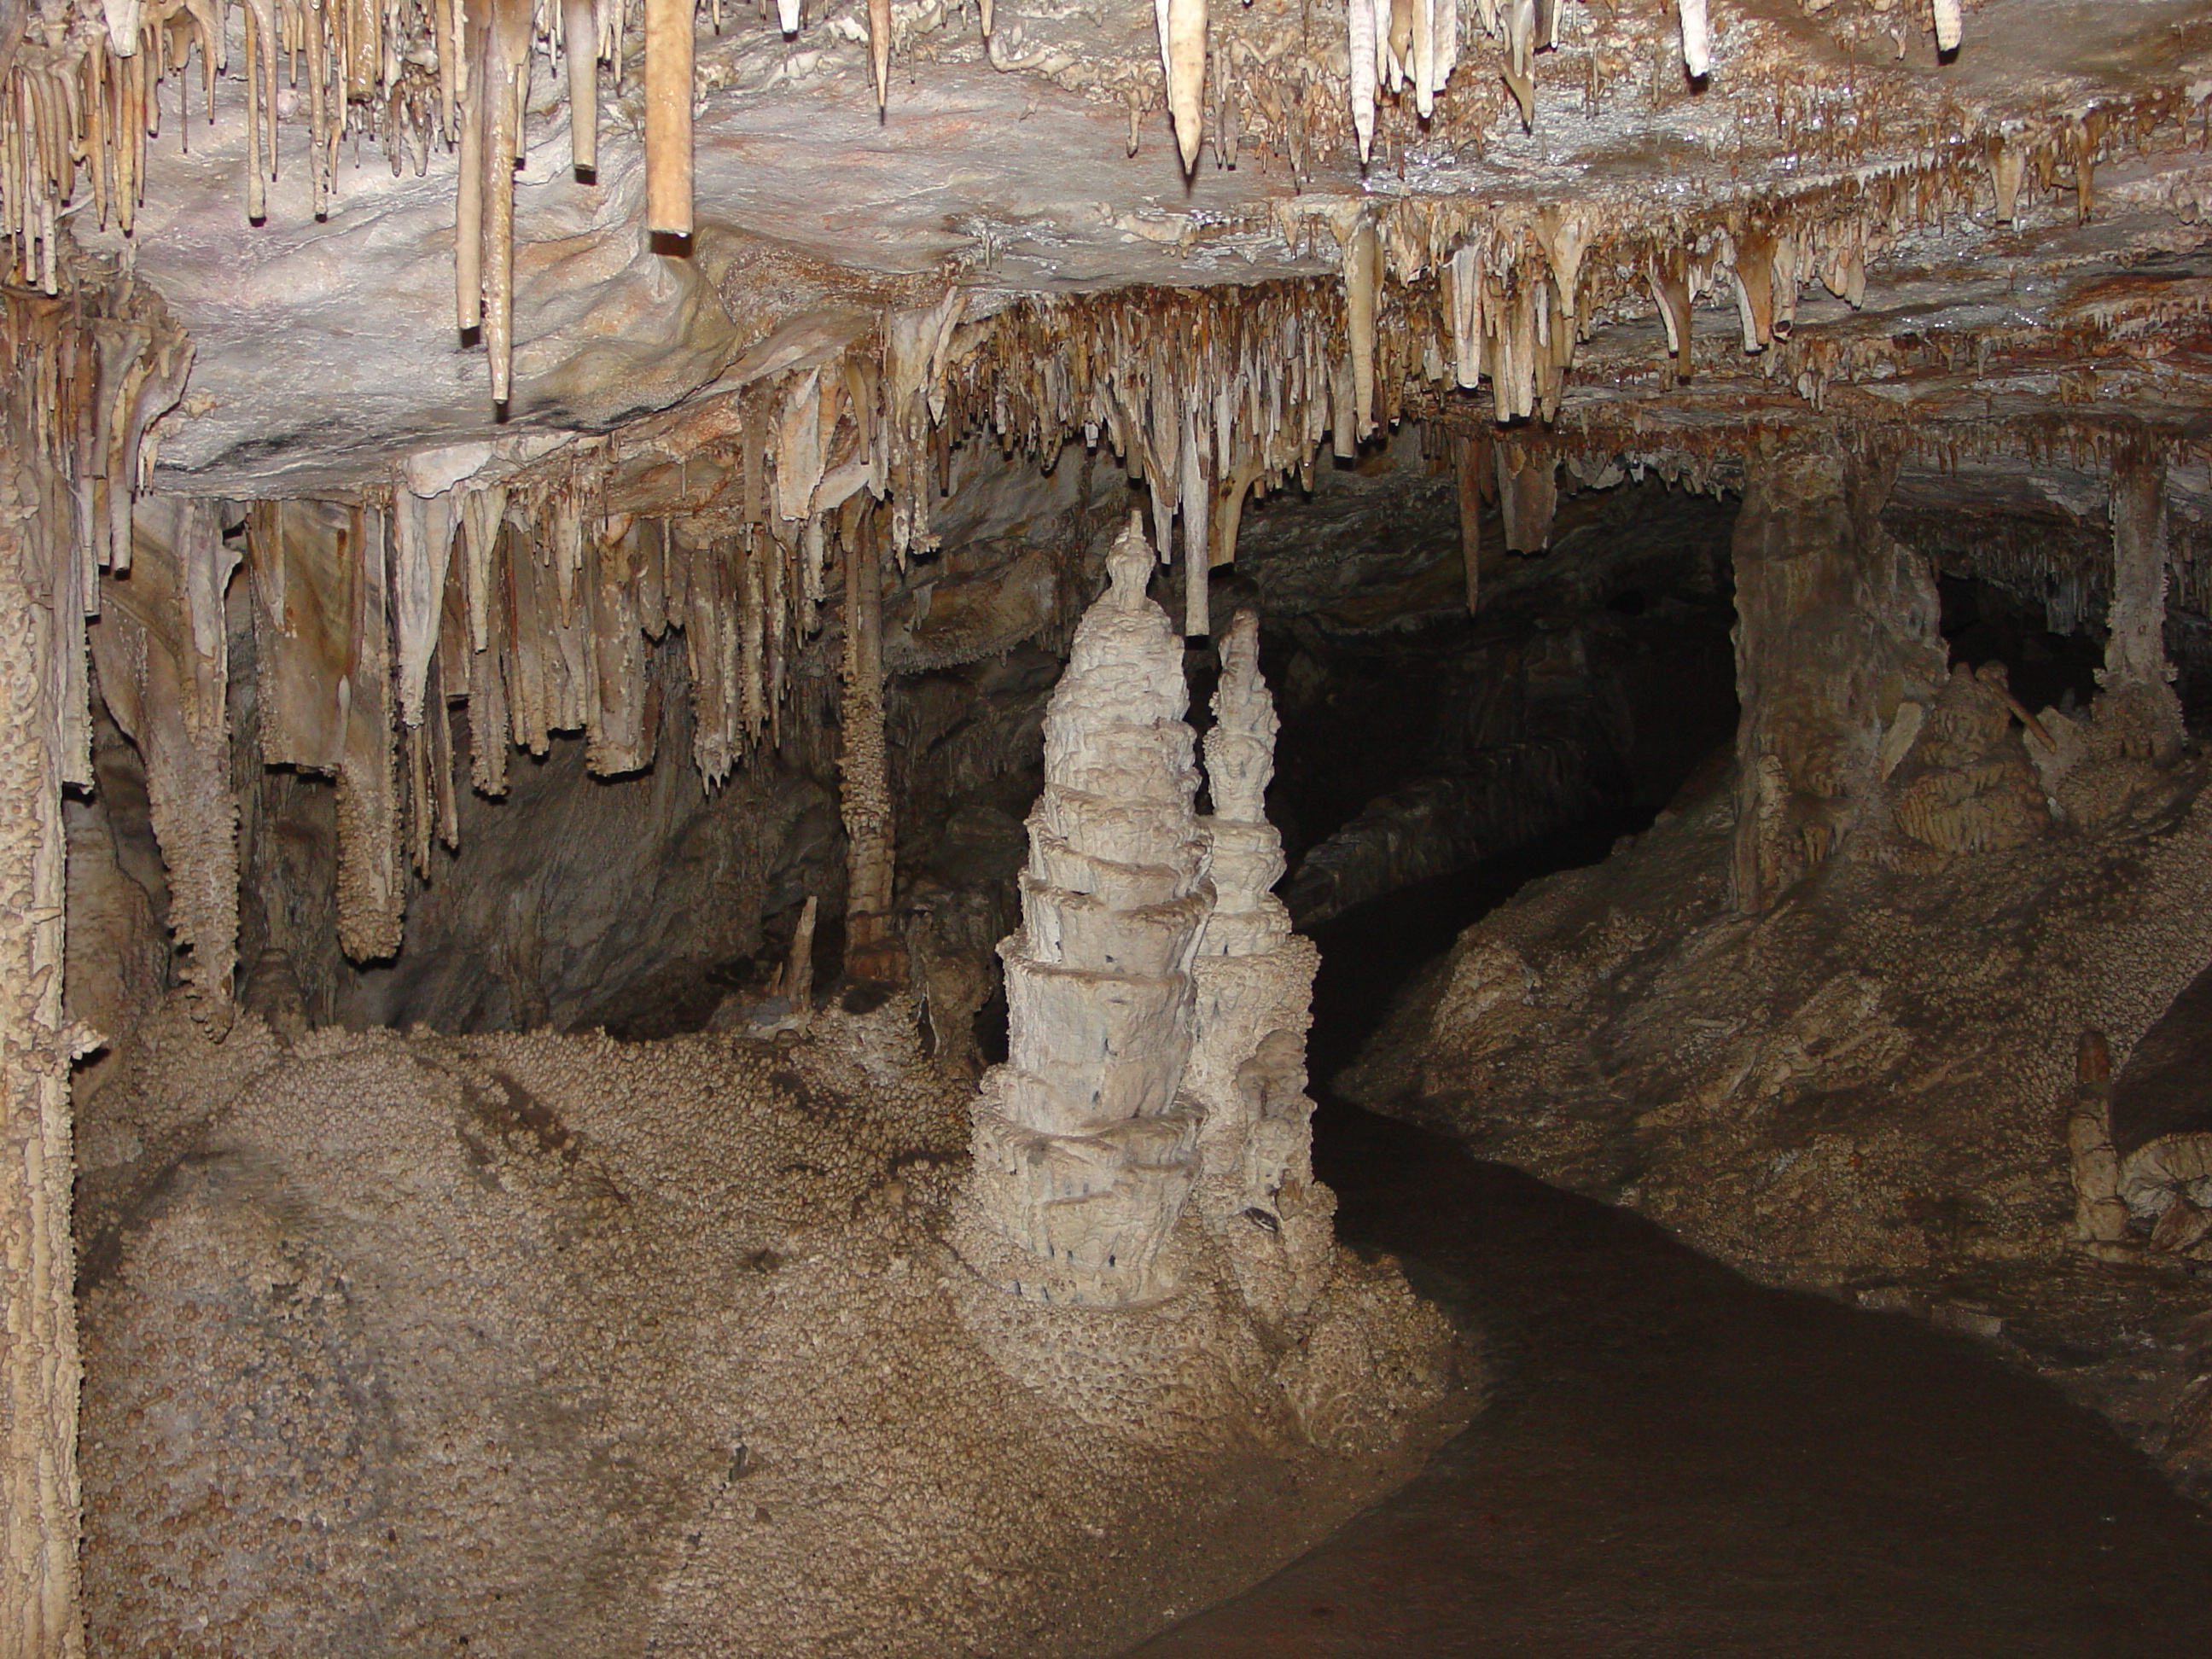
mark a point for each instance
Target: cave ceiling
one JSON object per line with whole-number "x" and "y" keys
{"x": 1044, "y": 161}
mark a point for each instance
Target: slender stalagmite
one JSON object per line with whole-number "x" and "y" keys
{"x": 580, "y": 40}
{"x": 1185, "y": 47}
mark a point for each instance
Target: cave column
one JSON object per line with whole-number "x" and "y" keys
{"x": 1837, "y": 656}
{"x": 2137, "y": 679}
{"x": 38, "y": 1613}
{"x": 872, "y": 941}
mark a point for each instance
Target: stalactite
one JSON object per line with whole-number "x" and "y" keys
{"x": 579, "y": 46}
{"x": 1197, "y": 499}
{"x": 668, "y": 91}
{"x": 1528, "y": 495}
{"x": 500, "y": 81}
{"x": 872, "y": 946}
{"x": 160, "y": 648}
{"x": 1360, "y": 16}
{"x": 469, "y": 188}
{"x": 1470, "y": 458}
{"x": 1519, "y": 17}
{"x": 1362, "y": 267}
{"x": 1696, "y": 40}
{"x": 371, "y": 876}
{"x": 622, "y": 720}
{"x": 1182, "y": 48}
{"x": 1950, "y": 26}
{"x": 879, "y": 49}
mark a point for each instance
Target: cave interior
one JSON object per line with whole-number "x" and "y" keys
{"x": 897, "y": 827}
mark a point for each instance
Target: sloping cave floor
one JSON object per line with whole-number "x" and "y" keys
{"x": 1676, "y": 1460}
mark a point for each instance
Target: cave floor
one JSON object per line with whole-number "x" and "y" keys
{"x": 1677, "y": 1460}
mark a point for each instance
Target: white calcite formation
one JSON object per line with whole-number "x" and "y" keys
{"x": 1253, "y": 980}
{"x": 1158, "y": 999}
{"x": 1085, "y": 1151}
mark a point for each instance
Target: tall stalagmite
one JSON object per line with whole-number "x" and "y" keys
{"x": 1254, "y": 980}
{"x": 1085, "y": 1150}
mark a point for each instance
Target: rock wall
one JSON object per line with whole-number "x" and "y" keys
{"x": 1890, "y": 1081}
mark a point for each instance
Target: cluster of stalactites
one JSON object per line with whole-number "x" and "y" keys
{"x": 423, "y": 74}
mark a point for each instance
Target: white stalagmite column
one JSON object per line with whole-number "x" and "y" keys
{"x": 1085, "y": 1151}
{"x": 1254, "y": 995}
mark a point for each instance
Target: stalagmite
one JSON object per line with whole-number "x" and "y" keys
{"x": 1085, "y": 1151}
{"x": 2100, "y": 1214}
{"x": 1184, "y": 50}
{"x": 1697, "y": 43}
{"x": 1253, "y": 989}
{"x": 580, "y": 42}
{"x": 1360, "y": 20}
{"x": 798, "y": 965}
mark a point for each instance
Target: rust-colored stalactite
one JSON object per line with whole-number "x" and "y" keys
{"x": 873, "y": 948}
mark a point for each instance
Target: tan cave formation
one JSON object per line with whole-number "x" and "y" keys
{"x": 695, "y": 693}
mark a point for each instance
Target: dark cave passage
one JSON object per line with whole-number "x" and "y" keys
{"x": 1675, "y": 1459}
